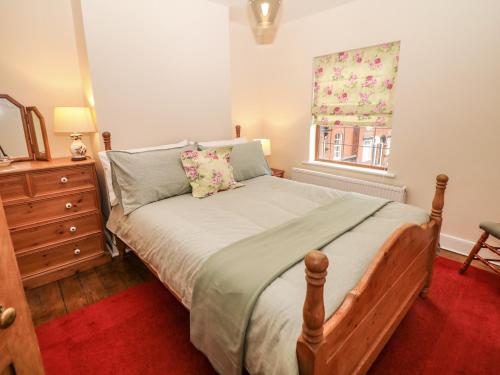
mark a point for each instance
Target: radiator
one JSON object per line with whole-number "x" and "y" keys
{"x": 395, "y": 193}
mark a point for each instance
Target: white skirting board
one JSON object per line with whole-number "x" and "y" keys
{"x": 455, "y": 244}
{"x": 461, "y": 246}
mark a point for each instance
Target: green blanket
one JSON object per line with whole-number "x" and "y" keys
{"x": 231, "y": 280}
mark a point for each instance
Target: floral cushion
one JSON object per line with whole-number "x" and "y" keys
{"x": 209, "y": 171}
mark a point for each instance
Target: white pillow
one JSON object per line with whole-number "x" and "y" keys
{"x": 227, "y": 142}
{"x": 106, "y": 166}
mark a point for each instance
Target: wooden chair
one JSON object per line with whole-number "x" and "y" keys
{"x": 490, "y": 229}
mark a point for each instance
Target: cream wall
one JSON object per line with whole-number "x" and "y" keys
{"x": 38, "y": 59}
{"x": 247, "y": 97}
{"x": 160, "y": 69}
{"x": 447, "y": 99}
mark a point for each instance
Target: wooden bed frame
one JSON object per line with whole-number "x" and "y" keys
{"x": 351, "y": 339}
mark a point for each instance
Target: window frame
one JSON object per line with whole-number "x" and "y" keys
{"x": 352, "y": 164}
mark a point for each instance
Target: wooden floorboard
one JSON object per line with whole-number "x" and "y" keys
{"x": 142, "y": 270}
{"x": 111, "y": 282}
{"x": 92, "y": 286}
{"x": 60, "y": 297}
{"x": 72, "y": 293}
{"x": 126, "y": 271}
{"x": 46, "y": 303}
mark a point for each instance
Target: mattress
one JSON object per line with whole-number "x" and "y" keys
{"x": 178, "y": 234}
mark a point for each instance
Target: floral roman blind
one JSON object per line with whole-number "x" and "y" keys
{"x": 355, "y": 87}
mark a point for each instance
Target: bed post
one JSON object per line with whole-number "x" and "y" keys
{"x": 438, "y": 201}
{"x": 238, "y": 131}
{"x": 313, "y": 314}
{"x": 437, "y": 218}
{"x": 106, "y": 137}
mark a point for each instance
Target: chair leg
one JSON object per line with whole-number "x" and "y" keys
{"x": 478, "y": 246}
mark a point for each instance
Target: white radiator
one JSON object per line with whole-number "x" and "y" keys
{"x": 395, "y": 193}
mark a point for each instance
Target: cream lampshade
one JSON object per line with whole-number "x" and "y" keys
{"x": 74, "y": 120}
{"x": 266, "y": 145}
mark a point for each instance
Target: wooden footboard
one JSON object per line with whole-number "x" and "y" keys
{"x": 351, "y": 339}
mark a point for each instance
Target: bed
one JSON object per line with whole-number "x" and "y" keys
{"x": 378, "y": 269}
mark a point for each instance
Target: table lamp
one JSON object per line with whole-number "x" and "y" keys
{"x": 74, "y": 120}
{"x": 266, "y": 145}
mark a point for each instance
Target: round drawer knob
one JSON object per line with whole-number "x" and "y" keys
{"x": 77, "y": 251}
{"x": 7, "y": 316}
{"x": 64, "y": 179}
{"x": 69, "y": 205}
{"x": 72, "y": 229}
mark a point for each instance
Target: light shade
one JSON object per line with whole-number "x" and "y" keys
{"x": 266, "y": 145}
{"x": 73, "y": 120}
{"x": 264, "y": 11}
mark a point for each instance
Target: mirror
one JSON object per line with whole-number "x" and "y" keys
{"x": 39, "y": 132}
{"x": 22, "y": 131}
{"x": 14, "y": 137}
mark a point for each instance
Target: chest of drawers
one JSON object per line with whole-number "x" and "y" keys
{"x": 54, "y": 218}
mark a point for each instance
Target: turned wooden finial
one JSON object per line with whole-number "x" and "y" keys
{"x": 437, "y": 217}
{"x": 314, "y": 307}
{"x": 106, "y": 136}
{"x": 438, "y": 201}
{"x": 238, "y": 131}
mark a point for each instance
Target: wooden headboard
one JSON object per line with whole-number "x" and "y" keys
{"x": 106, "y": 137}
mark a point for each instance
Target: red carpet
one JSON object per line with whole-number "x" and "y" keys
{"x": 144, "y": 330}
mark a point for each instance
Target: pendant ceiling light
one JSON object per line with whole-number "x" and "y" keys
{"x": 265, "y": 11}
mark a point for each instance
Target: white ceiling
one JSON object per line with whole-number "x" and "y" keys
{"x": 290, "y": 9}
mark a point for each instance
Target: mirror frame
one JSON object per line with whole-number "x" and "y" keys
{"x": 29, "y": 131}
{"x": 30, "y": 112}
{"x": 25, "y": 127}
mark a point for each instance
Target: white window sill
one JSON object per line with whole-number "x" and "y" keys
{"x": 351, "y": 168}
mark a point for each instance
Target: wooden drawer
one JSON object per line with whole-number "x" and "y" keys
{"x": 14, "y": 187}
{"x": 52, "y": 208}
{"x": 37, "y": 236}
{"x": 74, "y": 251}
{"x": 61, "y": 179}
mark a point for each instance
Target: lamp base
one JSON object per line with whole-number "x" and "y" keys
{"x": 78, "y": 148}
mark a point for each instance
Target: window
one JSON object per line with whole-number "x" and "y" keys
{"x": 352, "y": 105}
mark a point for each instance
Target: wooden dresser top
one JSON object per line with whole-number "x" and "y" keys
{"x": 35, "y": 165}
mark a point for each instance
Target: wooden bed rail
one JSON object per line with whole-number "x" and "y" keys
{"x": 349, "y": 341}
